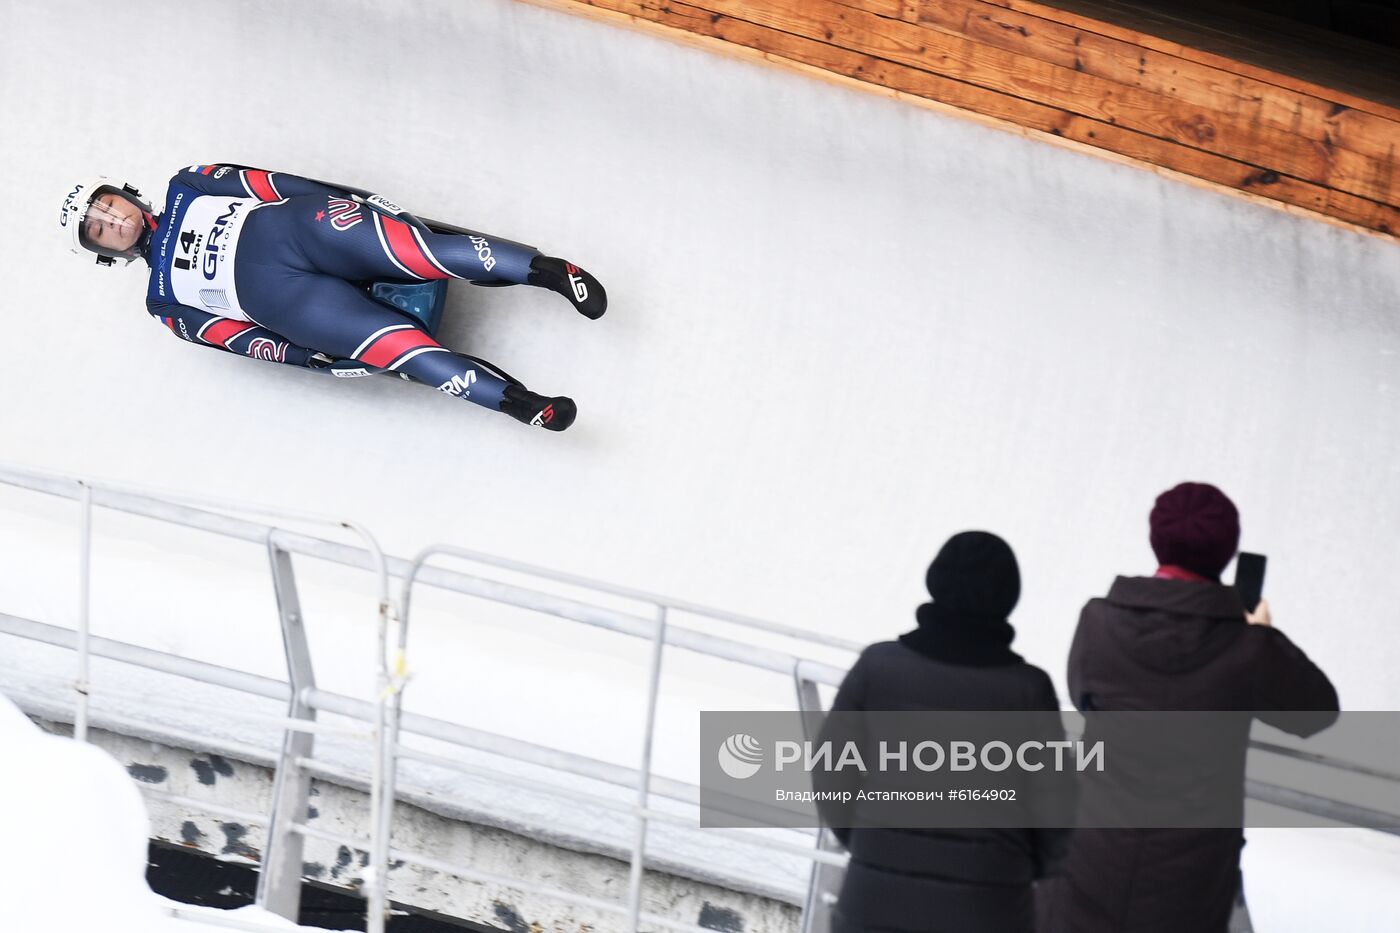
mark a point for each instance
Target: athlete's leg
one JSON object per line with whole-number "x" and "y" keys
{"x": 351, "y": 241}
{"x": 331, "y": 315}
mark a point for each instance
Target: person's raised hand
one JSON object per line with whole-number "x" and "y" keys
{"x": 1260, "y": 615}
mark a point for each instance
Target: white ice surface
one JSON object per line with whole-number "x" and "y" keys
{"x": 841, "y": 329}
{"x": 1321, "y": 879}
{"x": 75, "y": 834}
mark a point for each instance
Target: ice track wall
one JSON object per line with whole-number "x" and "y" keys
{"x": 841, "y": 329}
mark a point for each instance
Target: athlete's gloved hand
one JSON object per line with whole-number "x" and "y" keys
{"x": 343, "y": 369}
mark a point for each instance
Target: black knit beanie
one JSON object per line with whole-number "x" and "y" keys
{"x": 975, "y": 573}
{"x": 975, "y": 583}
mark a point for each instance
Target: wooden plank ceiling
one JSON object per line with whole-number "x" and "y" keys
{"x": 1189, "y": 99}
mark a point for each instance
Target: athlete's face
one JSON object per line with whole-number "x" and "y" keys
{"x": 112, "y": 222}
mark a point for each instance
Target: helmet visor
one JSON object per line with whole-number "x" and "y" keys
{"x": 112, "y": 223}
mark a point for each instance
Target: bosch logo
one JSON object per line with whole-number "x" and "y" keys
{"x": 483, "y": 253}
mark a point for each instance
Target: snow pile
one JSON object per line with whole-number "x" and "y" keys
{"x": 75, "y": 832}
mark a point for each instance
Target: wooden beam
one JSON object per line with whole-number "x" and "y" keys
{"x": 1058, "y": 81}
{"x": 1155, "y": 31}
{"x": 1281, "y": 109}
{"x": 1070, "y": 89}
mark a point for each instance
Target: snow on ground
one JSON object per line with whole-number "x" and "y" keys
{"x": 76, "y": 831}
{"x": 40, "y": 678}
{"x": 1321, "y": 879}
{"x": 842, "y": 329}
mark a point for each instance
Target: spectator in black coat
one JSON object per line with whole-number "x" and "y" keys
{"x": 959, "y": 658}
{"x": 1178, "y": 640}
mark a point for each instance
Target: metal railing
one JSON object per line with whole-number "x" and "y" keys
{"x": 193, "y": 510}
{"x": 280, "y": 878}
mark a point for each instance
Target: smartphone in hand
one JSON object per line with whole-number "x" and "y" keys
{"x": 1249, "y": 578}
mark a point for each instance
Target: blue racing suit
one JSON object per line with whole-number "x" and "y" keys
{"x": 264, "y": 264}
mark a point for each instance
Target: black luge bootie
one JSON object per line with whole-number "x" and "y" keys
{"x": 552, "y": 414}
{"x": 584, "y": 292}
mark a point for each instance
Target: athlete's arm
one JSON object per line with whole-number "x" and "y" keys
{"x": 243, "y": 181}
{"x": 240, "y": 337}
{"x": 229, "y": 180}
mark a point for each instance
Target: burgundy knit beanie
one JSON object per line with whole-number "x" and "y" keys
{"x": 1196, "y": 526}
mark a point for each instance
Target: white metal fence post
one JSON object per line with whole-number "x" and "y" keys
{"x": 639, "y": 844}
{"x": 825, "y": 879}
{"x": 81, "y": 685}
{"x": 374, "y": 885}
{"x": 387, "y": 716}
{"x": 279, "y": 881}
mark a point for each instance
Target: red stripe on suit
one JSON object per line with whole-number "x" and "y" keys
{"x": 220, "y": 333}
{"x": 261, "y": 187}
{"x": 394, "y": 345}
{"x": 406, "y": 250}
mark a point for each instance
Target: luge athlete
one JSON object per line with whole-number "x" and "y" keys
{"x": 272, "y": 266}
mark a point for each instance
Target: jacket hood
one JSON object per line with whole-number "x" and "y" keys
{"x": 1174, "y": 625}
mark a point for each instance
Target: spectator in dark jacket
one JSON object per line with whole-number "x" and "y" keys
{"x": 1178, "y": 640}
{"x": 959, "y": 658}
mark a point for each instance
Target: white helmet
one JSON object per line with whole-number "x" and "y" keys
{"x": 84, "y": 220}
